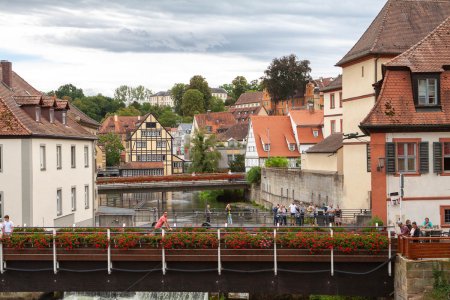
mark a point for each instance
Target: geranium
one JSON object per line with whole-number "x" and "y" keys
{"x": 245, "y": 240}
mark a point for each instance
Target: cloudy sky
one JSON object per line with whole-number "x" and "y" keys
{"x": 98, "y": 45}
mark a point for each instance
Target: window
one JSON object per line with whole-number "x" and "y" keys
{"x": 58, "y": 157}
{"x": 446, "y": 156}
{"x": 64, "y": 117}
{"x": 406, "y": 157}
{"x": 150, "y": 157}
{"x": 58, "y": 202}
{"x": 86, "y": 156}
{"x": 332, "y": 104}
{"x": 251, "y": 148}
{"x": 368, "y": 161}
{"x": 141, "y": 144}
{"x": 342, "y": 125}
{"x": 73, "y": 156}
{"x": 427, "y": 91}
{"x": 208, "y": 129}
{"x": 52, "y": 115}
{"x": 316, "y": 133}
{"x": 73, "y": 198}
{"x": 177, "y": 164}
{"x": 230, "y": 158}
{"x": 333, "y": 126}
{"x": 42, "y": 157}
{"x": 266, "y": 147}
{"x": 86, "y": 196}
{"x": 160, "y": 144}
{"x": 38, "y": 113}
{"x": 150, "y": 125}
{"x": 362, "y": 71}
{"x": 340, "y": 99}
{"x": 445, "y": 216}
{"x": 151, "y": 132}
{"x": 441, "y": 156}
{"x": 1, "y": 160}
{"x": 291, "y": 146}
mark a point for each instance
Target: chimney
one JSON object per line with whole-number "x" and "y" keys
{"x": 7, "y": 72}
{"x": 115, "y": 118}
{"x": 311, "y": 107}
{"x": 139, "y": 118}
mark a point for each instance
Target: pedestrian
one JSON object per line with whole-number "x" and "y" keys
{"x": 8, "y": 226}
{"x": 283, "y": 215}
{"x": 404, "y": 230}
{"x": 427, "y": 224}
{"x": 293, "y": 210}
{"x": 229, "y": 217}
{"x": 338, "y": 216}
{"x": 163, "y": 222}
{"x": 275, "y": 214}
{"x": 208, "y": 214}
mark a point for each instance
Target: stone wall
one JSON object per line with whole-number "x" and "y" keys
{"x": 285, "y": 185}
{"x": 415, "y": 277}
{"x": 255, "y": 195}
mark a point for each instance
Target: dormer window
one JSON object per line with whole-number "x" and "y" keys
{"x": 64, "y": 118}
{"x": 426, "y": 90}
{"x": 266, "y": 147}
{"x": 38, "y": 113}
{"x": 291, "y": 146}
{"x": 315, "y": 133}
{"x": 52, "y": 115}
{"x": 208, "y": 129}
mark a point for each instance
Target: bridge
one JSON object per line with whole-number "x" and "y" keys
{"x": 183, "y": 182}
{"x": 214, "y": 260}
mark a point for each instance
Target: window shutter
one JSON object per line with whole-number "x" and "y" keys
{"x": 423, "y": 157}
{"x": 390, "y": 158}
{"x": 368, "y": 158}
{"x": 437, "y": 157}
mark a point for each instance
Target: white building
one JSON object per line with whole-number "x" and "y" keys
{"x": 161, "y": 99}
{"x": 219, "y": 93}
{"x": 332, "y": 107}
{"x": 46, "y": 158}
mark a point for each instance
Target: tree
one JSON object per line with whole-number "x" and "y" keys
{"x": 238, "y": 164}
{"x": 192, "y": 103}
{"x": 113, "y": 148}
{"x": 98, "y": 106}
{"x": 177, "y": 93}
{"x": 123, "y": 93}
{"x": 217, "y": 104}
{"x": 254, "y": 175}
{"x": 140, "y": 93}
{"x": 68, "y": 92}
{"x": 255, "y": 86}
{"x": 128, "y": 94}
{"x": 277, "y": 162}
{"x": 286, "y": 76}
{"x": 205, "y": 157}
{"x": 240, "y": 86}
{"x": 199, "y": 83}
{"x": 128, "y": 111}
{"x": 169, "y": 119}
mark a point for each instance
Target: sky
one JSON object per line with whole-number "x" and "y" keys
{"x": 98, "y": 45}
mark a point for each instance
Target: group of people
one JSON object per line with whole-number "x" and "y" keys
{"x": 6, "y": 227}
{"x": 412, "y": 229}
{"x": 306, "y": 213}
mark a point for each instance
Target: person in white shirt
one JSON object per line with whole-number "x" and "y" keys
{"x": 8, "y": 226}
{"x": 293, "y": 210}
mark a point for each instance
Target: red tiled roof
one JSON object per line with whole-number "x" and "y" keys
{"x": 306, "y": 135}
{"x": 9, "y": 123}
{"x": 274, "y": 129}
{"x": 143, "y": 165}
{"x": 249, "y": 97}
{"x": 217, "y": 120}
{"x": 244, "y": 112}
{"x": 322, "y": 82}
{"x": 430, "y": 54}
{"x": 120, "y": 124}
{"x": 399, "y": 25}
{"x": 305, "y": 117}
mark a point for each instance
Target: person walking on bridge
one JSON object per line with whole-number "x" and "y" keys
{"x": 163, "y": 222}
{"x": 229, "y": 217}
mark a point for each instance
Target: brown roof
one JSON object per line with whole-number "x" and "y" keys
{"x": 249, "y": 97}
{"x": 305, "y": 117}
{"x": 329, "y": 145}
{"x": 336, "y": 84}
{"x": 238, "y": 132}
{"x": 430, "y": 54}
{"x": 18, "y": 121}
{"x": 120, "y": 124}
{"x": 78, "y": 115}
{"x": 244, "y": 112}
{"x": 322, "y": 82}
{"x": 399, "y": 25}
{"x": 143, "y": 165}
{"x": 274, "y": 130}
{"x": 217, "y": 120}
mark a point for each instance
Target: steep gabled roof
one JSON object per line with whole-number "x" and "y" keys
{"x": 238, "y": 132}
{"x": 120, "y": 124}
{"x": 217, "y": 120}
{"x": 249, "y": 97}
{"x": 399, "y": 25}
{"x": 305, "y": 117}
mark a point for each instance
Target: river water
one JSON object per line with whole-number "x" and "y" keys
{"x": 136, "y": 296}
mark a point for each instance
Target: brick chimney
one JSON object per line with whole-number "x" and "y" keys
{"x": 6, "y": 73}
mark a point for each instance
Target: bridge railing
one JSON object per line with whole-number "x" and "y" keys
{"x": 424, "y": 247}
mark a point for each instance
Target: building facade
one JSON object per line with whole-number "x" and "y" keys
{"x": 248, "y": 104}
{"x": 163, "y": 98}
{"x": 219, "y": 93}
{"x": 332, "y": 107}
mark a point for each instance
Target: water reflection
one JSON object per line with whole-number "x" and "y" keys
{"x": 136, "y": 296}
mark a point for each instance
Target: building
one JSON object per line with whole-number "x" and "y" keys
{"x": 409, "y": 129}
{"x": 325, "y": 156}
{"x": 213, "y": 122}
{"x": 307, "y": 127}
{"x": 248, "y": 104}
{"x": 181, "y": 138}
{"x": 332, "y": 107}
{"x": 163, "y": 98}
{"x": 42, "y": 146}
{"x": 270, "y": 136}
{"x": 148, "y": 146}
{"x": 399, "y": 25}
{"x": 232, "y": 143}
{"x": 219, "y": 93}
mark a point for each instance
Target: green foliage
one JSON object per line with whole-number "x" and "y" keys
{"x": 128, "y": 111}
{"x": 205, "y": 157}
{"x": 238, "y": 164}
{"x": 97, "y": 107}
{"x": 177, "y": 93}
{"x": 254, "y": 175}
{"x": 441, "y": 286}
{"x": 113, "y": 148}
{"x": 199, "y": 83}
{"x": 286, "y": 76}
{"x": 68, "y": 92}
{"x": 238, "y": 86}
{"x": 169, "y": 119}
{"x": 217, "y": 105}
{"x": 128, "y": 94}
{"x": 192, "y": 103}
{"x": 375, "y": 220}
{"x": 277, "y": 162}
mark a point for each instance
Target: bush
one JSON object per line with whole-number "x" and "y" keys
{"x": 277, "y": 162}
{"x": 254, "y": 175}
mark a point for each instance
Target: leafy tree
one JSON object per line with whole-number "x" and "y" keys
{"x": 192, "y": 103}
{"x": 238, "y": 164}
{"x": 136, "y": 105}
{"x": 277, "y": 162}
{"x": 217, "y": 104}
{"x": 128, "y": 111}
{"x": 240, "y": 86}
{"x": 68, "y": 92}
{"x": 98, "y": 106}
{"x": 169, "y": 119}
{"x": 113, "y": 148}
{"x": 123, "y": 93}
{"x": 255, "y": 85}
{"x": 285, "y": 76}
{"x": 205, "y": 157}
{"x": 228, "y": 88}
{"x": 140, "y": 93}
{"x": 199, "y": 83}
{"x": 177, "y": 93}
{"x": 254, "y": 175}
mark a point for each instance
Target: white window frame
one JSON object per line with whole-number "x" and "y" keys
{"x": 59, "y": 208}
{"x": 86, "y": 156}
{"x": 42, "y": 157}
{"x": 58, "y": 157}
{"x": 426, "y": 92}
{"x": 86, "y": 196}
{"x": 73, "y": 156}
{"x": 266, "y": 147}
{"x": 158, "y": 144}
{"x": 52, "y": 115}
{"x": 141, "y": 144}
{"x": 315, "y": 133}
{"x": 38, "y": 113}
{"x": 73, "y": 197}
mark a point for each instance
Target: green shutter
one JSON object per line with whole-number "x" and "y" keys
{"x": 437, "y": 157}
{"x": 423, "y": 157}
{"x": 390, "y": 158}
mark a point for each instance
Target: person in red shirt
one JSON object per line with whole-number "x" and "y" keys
{"x": 163, "y": 222}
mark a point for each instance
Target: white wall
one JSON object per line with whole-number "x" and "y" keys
{"x": 331, "y": 113}
{"x": 251, "y": 157}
